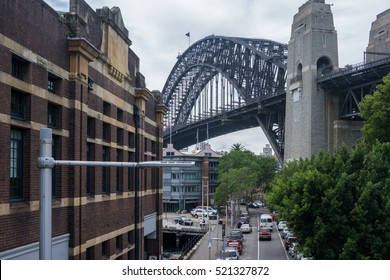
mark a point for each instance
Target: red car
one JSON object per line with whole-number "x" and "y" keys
{"x": 264, "y": 234}
{"x": 235, "y": 244}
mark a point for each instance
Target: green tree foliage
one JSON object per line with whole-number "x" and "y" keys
{"x": 339, "y": 205}
{"x": 375, "y": 110}
{"x": 242, "y": 175}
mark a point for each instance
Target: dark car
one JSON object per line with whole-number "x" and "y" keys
{"x": 253, "y": 205}
{"x": 184, "y": 221}
{"x": 264, "y": 234}
{"x": 235, "y": 236}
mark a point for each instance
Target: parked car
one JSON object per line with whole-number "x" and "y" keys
{"x": 259, "y": 203}
{"x": 207, "y": 209}
{"x": 253, "y": 205}
{"x": 184, "y": 221}
{"x": 288, "y": 241}
{"x": 285, "y": 231}
{"x": 235, "y": 244}
{"x": 281, "y": 225}
{"x": 200, "y": 213}
{"x": 264, "y": 234}
{"x": 292, "y": 250}
{"x": 246, "y": 228}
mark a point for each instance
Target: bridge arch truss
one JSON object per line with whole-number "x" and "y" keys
{"x": 218, "y": 76}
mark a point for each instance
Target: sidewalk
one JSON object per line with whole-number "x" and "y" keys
{"x": 203, "y": 250}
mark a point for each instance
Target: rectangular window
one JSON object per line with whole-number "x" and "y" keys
{"x": 53, "y": 112}
{"x": 105, "y": 249}
{"x": 119, "y": 136}
{"x": 53, "y": 84}
{"x": 119, "y": 172}
{"x": 18, "y": 105}
{"x": 91, "y": 127}
{"x": 89, "y": 254}
{"x": 16, "y": 164}
{"x": 106, "y": 132}
{"x": 119, "y": 243}
{"x": 131, "y": 140}
{"x": 106, "y": 108}
{"x": 19, "y": 67}
{"x": 131, "y": 173}
{"x": 90, "y": 169}
{"x": 106, "y": 170}
{"x": 119, "y": 115}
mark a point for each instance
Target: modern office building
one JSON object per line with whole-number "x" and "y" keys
{"x": 75, "y": 72}
{"x": 186, "y": 188}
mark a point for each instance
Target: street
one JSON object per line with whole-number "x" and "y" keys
{"x": 253, "y": 248}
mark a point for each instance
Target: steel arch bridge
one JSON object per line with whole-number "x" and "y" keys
{"x": 224, "y": 84}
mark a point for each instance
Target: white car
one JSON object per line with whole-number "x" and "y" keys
{"x": 246, "y": 228}
{"x": 285, "y": 231}
{"x": 282, "y": 225}
{"x": 200, "y": 213}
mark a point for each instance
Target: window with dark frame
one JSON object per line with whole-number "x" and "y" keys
{"x": 119, "y": 136}
{"x": 131, "y": 140}
{"x": 19, "y": 67}
{"x": 106, "y": 132}
{"x": 90, "y": 169}
{"x": 131, "y": 173}
{"x": 52, "y": 115}
{"x": 106, "y": 170}
{"x": 119, "y": 172}
{"x": 18, "y": 105}
{"x": 91, "y": 128}
{"x": 89, "y": 253}
{"x": 119, "y": 115}
{"x": 105, "y": 249}
{"x": 106, "y": 108}
{"x": 16, "y": 164}
{"x": 119, "y": 243}
{"x": 52, "y": 82}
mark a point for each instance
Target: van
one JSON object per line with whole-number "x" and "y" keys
{"x": 266, "y": 222}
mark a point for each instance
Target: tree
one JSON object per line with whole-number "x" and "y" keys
{"x": 237, "y": 147}
{"x": 339, "y": 205}
{"x": 243, "y": 175}
{"x": 375, "y": 111}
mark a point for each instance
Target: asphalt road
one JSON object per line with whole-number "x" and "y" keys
{"x": 262, "y": 250}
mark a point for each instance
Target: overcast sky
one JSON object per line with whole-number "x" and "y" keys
{"x": 157, "y": 30}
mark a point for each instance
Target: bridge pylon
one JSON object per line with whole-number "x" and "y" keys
{"x": 312, "y": 52}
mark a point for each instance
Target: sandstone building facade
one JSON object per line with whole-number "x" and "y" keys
{"x": 75, "y": 73}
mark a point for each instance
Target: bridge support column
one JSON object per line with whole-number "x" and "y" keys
{"x": 346, "y": 132}
{"x": 312, "y": 52}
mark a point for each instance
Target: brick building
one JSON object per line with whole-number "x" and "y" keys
{"x": 75, "y": 72}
